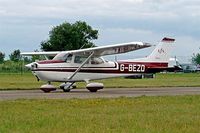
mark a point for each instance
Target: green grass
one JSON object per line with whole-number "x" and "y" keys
{"x": 13, "y": 67}
{"x": 166, "y": 114}
{"x": 18, "y": 81}
{"x": 161, "y": 80}
{"x": 28, "y": 81}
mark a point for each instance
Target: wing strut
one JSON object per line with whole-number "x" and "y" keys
{"x": 77, "y": 70}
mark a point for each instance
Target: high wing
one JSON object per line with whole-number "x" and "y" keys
{"x": 98, "y": 51}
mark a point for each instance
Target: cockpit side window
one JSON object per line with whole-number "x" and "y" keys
{"x": 69, "y": 58}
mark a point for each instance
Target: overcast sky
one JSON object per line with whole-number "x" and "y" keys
{"x": 25, "y": 23}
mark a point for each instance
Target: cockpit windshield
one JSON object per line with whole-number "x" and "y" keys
{"x": 63, "y": 57}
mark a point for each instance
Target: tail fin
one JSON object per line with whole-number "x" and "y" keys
{"x": 162, "y": 51}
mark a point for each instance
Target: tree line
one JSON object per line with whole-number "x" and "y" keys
{"x": 14, "y": 64}
{"x": 14, "y": 56}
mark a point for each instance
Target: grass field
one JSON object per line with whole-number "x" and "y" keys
{"x": 28, "y": 81}
{"x": 166, "y": 114}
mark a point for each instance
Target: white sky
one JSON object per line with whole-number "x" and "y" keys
{"x": 25, "y": 23}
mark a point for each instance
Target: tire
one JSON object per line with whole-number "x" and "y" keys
{"x": 66, "y": 90}
{"x": 93, "y": 90}
{"x": 47, "y": 90}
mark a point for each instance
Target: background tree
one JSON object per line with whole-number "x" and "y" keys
{"x": 2, "y": 56}
{"x": 15, "y": 55}
{"x": 196, "y": 58}
{"x": 69, "y": 36}
{"x": 27, "y": 59}
{"x": 37, "y": 57}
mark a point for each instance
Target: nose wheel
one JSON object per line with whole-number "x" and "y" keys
{"x": 93, "y": 90}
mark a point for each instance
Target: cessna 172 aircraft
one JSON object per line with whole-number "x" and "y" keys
{"x": 87, "y": 64}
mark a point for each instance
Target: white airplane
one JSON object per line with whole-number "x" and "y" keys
{"x": 87, "y": 64}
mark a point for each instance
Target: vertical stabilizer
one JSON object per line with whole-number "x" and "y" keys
{"x": 162, "y": 51}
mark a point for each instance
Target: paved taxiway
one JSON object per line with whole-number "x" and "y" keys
{"x": 105, "y": 93}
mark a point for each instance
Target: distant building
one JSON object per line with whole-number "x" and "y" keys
{"x": 189, "y": 68}
{"x": 198, "y": 67}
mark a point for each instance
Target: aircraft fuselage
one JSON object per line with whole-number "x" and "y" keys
{"x": 60, "y": 71}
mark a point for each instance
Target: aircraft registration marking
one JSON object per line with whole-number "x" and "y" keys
{"x": 132, "y": 68}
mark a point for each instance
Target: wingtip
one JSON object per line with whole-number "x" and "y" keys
{"x": 166, "y": 39}
{"x": 147, "y": 44}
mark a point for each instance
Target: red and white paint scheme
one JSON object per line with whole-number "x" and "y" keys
{"x": 87, "y": 64}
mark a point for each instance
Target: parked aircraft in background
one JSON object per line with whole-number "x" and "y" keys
{"x": 87, "y": 64}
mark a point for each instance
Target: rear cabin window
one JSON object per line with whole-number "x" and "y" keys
{"x": 96, "y": 61}
{"x": 80, "y": 59}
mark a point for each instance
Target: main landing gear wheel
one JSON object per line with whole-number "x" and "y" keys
{"x": 66, "y": 87}
{"x": 93, "y": 90}
{"x": 94, "y": 87}
{"x": 47, "y": 88}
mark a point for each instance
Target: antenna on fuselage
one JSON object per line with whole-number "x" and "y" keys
{"x": 84, "y": 45}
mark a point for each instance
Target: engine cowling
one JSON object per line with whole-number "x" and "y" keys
{"x": 93, "y": 87}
